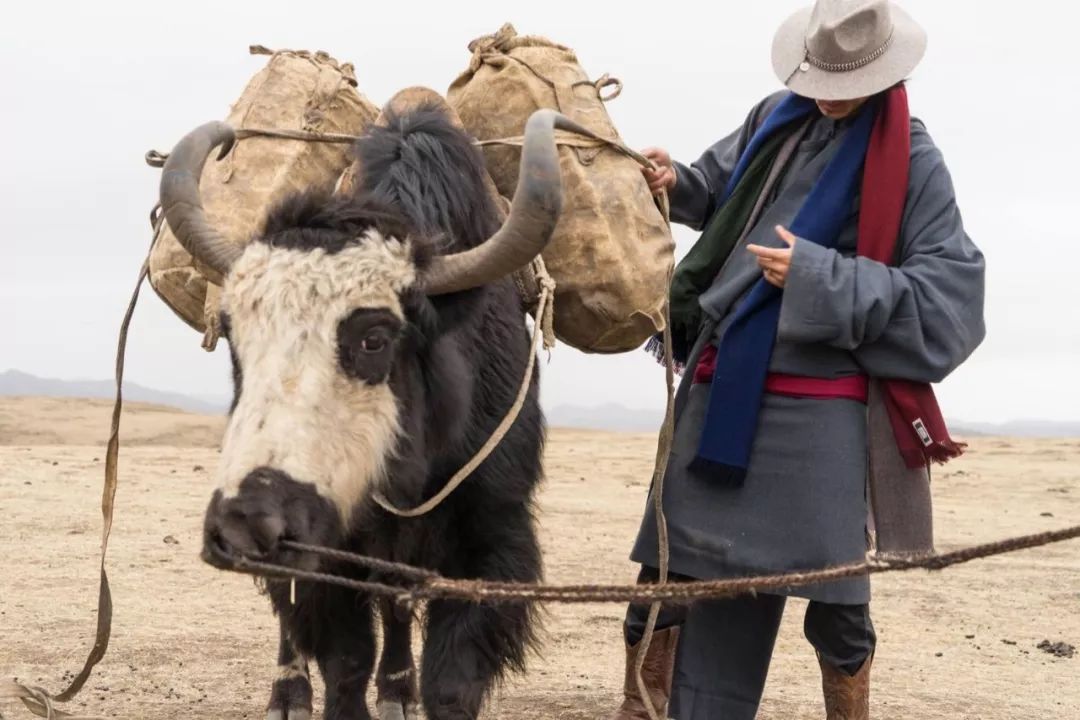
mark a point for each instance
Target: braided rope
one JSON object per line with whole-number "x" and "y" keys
{"x": 371, "y": 563}
{"x": 483, "y": 591}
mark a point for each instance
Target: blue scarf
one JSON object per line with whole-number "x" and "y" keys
{"x": 746, "y": 348}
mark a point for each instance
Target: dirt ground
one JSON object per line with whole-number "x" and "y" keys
{"x": 190, "y": 641}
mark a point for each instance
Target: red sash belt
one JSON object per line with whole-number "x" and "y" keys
{"x": 853, "y": 387}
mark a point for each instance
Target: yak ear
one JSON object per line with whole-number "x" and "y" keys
{"x": 449, "y": 385}
{"x": 444, "y": 372}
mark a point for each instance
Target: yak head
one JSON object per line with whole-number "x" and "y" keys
{"x": 320, "y": 313}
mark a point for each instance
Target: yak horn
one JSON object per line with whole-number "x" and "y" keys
{"x": 182, "y": 204}
{"x": 530, "y": 224}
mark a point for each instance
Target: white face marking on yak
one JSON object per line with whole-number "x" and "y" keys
{"x": 298, "y": 411}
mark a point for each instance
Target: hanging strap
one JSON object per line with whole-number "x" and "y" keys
{"x": 36, "y": 699}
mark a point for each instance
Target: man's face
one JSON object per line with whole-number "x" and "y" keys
{"x": 840, "y": 109}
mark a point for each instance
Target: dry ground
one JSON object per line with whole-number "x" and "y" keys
{"x": 189, "y": 641}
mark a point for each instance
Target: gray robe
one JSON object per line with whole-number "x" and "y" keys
{"x": 805, "y": 502}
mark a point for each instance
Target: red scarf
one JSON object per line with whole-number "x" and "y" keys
{"x": 916, "y": 417}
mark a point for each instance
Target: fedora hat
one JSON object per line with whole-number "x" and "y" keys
{"x": 847, "y": 49}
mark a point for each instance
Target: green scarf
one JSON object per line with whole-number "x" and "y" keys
{"x": 697, "y": 271}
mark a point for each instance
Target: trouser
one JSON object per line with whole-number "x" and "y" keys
{"x": 725, "y": 647}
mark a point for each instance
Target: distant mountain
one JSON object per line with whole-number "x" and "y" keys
{"x": 617, "y": 418}
{"x": 611, "y": 417}
{"x": 16, "y": 383}
{"x": 1020, "y": 429}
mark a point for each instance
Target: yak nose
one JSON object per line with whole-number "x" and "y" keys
{"x": 241, "y": 526}
{"x": 252, "y": 535}
{"x": 268, "y": 507}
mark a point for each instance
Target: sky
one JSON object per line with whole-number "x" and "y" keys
{"x": 90, "y": 87}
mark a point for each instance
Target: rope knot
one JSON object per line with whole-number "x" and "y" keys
{"x": 488, "y": 45}
{"x": 545, "y": 310}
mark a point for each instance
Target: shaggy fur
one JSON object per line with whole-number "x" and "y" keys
{"x": 453, "y": 369}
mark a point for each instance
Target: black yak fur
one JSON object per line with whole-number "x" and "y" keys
{"x": 455, "y": 377}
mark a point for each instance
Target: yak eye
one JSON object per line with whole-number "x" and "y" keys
{"x": 376, "y": 342}
{"x": 366, "y": 339}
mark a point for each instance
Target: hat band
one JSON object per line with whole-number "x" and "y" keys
{"x": 848, "y": 66}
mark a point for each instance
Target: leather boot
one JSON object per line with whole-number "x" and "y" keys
{"x": 656, "y": 674}
{"x": 846, "y": 697}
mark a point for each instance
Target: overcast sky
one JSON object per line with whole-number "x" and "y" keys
{"x": 90, "y": 87}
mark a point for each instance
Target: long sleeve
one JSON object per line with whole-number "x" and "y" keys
{"x": 698, "y": 185}
{"x": 917, "y": 321}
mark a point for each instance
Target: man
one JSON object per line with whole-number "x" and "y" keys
{"x": 832, "y": 284}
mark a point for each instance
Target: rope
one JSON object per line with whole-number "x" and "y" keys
{"x": 663, "y": 452}
{"x": 539, "y": 332}
{"x": 605, "y": 81}
{"x": 273, "y": 571}
{"x": 363, "y": 561}
{"x": 482, "y": 591}
{"x": 305, "y": 135}
{"x": 486, "y": 54}
{"x": 596, "y": 139}
{"x": 491, "y": 51}
{"x": 156, "y": 159}
{"x": 37, "y": 700}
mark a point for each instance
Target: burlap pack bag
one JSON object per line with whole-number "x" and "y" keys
{"x": 612, "y": 252}
{"x": 294, "y": 121}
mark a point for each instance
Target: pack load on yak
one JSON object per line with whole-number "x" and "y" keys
{"x": 295, "y": 123}
{"x": 612, "y": 252}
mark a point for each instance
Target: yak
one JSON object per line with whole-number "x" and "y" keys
{"x": 377, "y": 340}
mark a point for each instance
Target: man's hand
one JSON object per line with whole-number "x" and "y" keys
{"x": 776, "y": 262}
{"x": 663, "y": 177}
